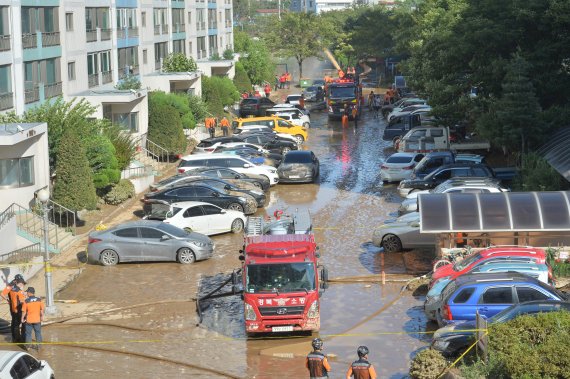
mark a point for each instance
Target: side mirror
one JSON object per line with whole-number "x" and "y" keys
{"x": 246, "y": 165}
{"x": 415, "y": 224}
{"x": 165, "y": 237}
{"x": 324, "y": 278}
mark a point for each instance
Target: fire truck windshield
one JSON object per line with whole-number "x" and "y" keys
{"x": 338, "y": 92}
{"x": 281, "y": 277}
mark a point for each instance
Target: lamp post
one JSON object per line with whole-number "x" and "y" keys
{"x": 43, "y": 197}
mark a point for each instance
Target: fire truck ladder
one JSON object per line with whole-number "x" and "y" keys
{"x": 254, "y": 226}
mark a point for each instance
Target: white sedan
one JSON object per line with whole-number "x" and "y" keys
{"x": 399, "y": 166}
{"x": 18, "y": 364}
{"x": 204, "y": 218}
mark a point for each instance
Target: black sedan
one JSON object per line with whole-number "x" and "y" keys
{"x": 454, "y": 339}
{"x": 270, "y": 142}
{"x": 300, "y": 166}
{"x": 223, "y": 198}
{"x": 254, "y": 106}
{"x": 227, "y": 174}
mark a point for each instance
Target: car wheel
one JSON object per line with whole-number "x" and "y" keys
{"x": 306, "y": 125}
{"x": 185, "y": 256}
{"x": 258, "y": 185}
{"x": 237, "y": 225}
{"x": 109, "y": 258}
{"x": 285, "y": 150}
{"x": 391, "y": 243}
{"x": 300, "y": 139}
{"x": 235, "y": 207}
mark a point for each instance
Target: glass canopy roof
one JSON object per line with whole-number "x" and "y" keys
{"x": 494, "y": 212}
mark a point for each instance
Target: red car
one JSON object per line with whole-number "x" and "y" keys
{"x": 495, "y": 253}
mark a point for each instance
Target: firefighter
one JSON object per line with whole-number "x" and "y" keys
{"x": 6, "y": 291}
{"x": 33, "y": 315}
{"x": 317, "y": 362}
{"x": 16, "y": 297}
{"x": 225, "y": 125}
{"x": 355, "y": 116}
{"x": 345, "y": 113}
{"x": 361, "y": 369}
{"x": 267, "y": 90}
{"x": 302, "y": 101}
{"x": 370, "y": 100}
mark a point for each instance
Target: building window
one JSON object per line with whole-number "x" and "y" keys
{"x": 71, "y": 70}
{"x": 128, "y": 121}
{"x": 143, "y": 16}
{"x": 69, "y": 22}
{"x": 17, "y": 172}
{"x": 145, "y": 56}
{"x": 178, "y": 46}
{"x": 190, "y": 48}
{"x": 189, "y": 18}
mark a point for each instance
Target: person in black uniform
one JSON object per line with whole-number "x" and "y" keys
{"x": 317, "y": 362}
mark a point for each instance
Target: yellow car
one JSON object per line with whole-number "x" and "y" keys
{"x": 277, "y": 124}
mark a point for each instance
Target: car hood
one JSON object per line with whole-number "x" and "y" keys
{"x": 455, "y": 328}
{"x": 295, "y": 166}
{"x": 198, "y": 237}
{"x": 442, "y": 271}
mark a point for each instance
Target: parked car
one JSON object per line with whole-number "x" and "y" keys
{"x": 252, "y": 154}
{"x": 400, "y": 125}
{"x": 254, "y": 106}
{"x": 525, "y": 266}
{"x": 208, "y": 145}
{"x": 294, "y": 119}
{"x": 236, "y": 163}
{"x": 403, "y": 233}
{"x": 227, "y": 174}
{"x": 19, "y": 364}
{"x": 299, "y": 166}
{"x": 399, "y": 166}
{"x": 406, "y": 110}
{"x": 227, "y": 199}
{"x": 442, "y": 174}
{"x": 147, "y": 241}
{"x": 489, "y": 294}
{"x": 455, "y": 185}
{"x": 400, "y": 104}
{"x": 269, "y": 142}
{"x": 244, "y": 188}
{"x": 453, "y": 339}
{"x": 434, "y": 160}
{"x": 310, "y": 93}
{"x": 495, "y": 253}
{"x": 204, "y": 218}
{"x": 289, "y": 106}
{"x": 244, "y": 130}
{"x": 278, "y": 124}
{"x": 294, "y": 99}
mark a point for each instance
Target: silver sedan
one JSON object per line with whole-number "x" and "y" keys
{"x": 147, "y": 241}
{"x": 402, "y": 233}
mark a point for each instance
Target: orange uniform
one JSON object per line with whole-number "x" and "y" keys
{"x": 6, "y": 291}
{"x": 225, "y": 122}
{"x": 16, "y": 297}
{"x": 33, "y": 310}
{"x": 361, "y": 369}
{"x": 317, "y": 364}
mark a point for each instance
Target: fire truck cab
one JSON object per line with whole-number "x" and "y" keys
{"x": 281, "y": 276}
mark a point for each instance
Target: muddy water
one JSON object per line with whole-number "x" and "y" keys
{"x": 347, "y": 203}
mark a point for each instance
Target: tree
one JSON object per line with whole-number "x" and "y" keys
{"x": 217, "y": 93}
{"x": 241, "y": 80}
{"x": 129, "y": 82}
{"x": 515, "y": 123}
{"x": 255, "y": 58}
{"x": 299, "y": 36}
{"x": 179, "y": 102}
{"x": 122, "y": 141}
{"x": 178, "y": 62}
{"x": 73, "y": 187}
{"x": 165, "y": 127}
{"x": 228, "y": 54}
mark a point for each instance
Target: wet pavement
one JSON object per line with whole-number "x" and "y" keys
{"x": 156, "y": 334}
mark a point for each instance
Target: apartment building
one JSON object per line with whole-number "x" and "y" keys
{"x": 83, "y": 48}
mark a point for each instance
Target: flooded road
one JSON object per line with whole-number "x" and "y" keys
{"x": 155, "y": 335}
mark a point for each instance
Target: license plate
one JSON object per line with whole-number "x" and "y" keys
{"x": 282, "y": 329}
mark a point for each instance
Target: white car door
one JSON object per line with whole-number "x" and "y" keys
{"x": 192, "y": 218}
{"x": 218, "y": 220}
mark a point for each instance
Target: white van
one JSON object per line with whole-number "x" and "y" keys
{"x": 293, "y": 115}
{"x": 234, "y": 162}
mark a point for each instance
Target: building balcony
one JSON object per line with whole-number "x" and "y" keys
{"x": 29, "y": 41}
{"x": 5, "y": 42}
{"x": 93, "y": 80}
{"x": 6, "y": 101}
{"x": 91, "y": 35}
{"x": 179, "y": 28}
{"x": 121, "y": 33}
{"x": 228, "y": 24}
{"x": 202, "y": 54}
{"x": 160, "y": 29}
{"x": 132, "y": 70}
{"x": 32, "y": 95}
{"x": 50, "y": 39}
{"x": 106, "y": 34}
{"x": 107, "y": 77}
{"x": 202, "y": 25}
{"x": 212, "y": 25}
{"x": 53, "y": 90}
{"x": 133, "y": 32}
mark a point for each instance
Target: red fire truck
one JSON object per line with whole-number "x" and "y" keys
{"x": 282, "y": 278}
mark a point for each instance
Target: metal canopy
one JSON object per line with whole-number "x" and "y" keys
{"x": 494, "y": 212}
{"x": 556, "y": 152}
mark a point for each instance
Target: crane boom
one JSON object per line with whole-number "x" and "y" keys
{"x": 333, "y": 60}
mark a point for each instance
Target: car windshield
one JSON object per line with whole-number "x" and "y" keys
{"x": 297, "y": 158}
{"x": 249, "y": 101}
{"x": 458, "y": 266}
{"x": 311, "y": 89}
{"x": 173, "y": 211}
{"x": 336, "y": 92}
{"x": 521, "y": 309}
{"x": 399, "y": 159}
{"x": 172, "y": 230}
{"x": 285, "y": 277}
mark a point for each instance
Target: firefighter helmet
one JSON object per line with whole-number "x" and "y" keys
{"x": 317, "y": 344}
{"x": 362, "y": 351}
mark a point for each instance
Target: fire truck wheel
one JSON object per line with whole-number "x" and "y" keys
{"x": 235, "y": 207}
{"x": 185, "y": 256}
{"x": 237, "y": 225}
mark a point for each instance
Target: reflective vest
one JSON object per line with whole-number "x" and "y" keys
{"x": 360, "y": 369}
{"x": 315, "y": 363}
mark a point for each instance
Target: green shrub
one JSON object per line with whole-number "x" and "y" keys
{"x": 122, "y": 141}
{"x": 215, "y": 57}
{"x": 427, "y": 364}
{"x": 178, "y": 62}
{"x": 241, "y": 80}
{"x": 129, "y": 82}
{"x": 120, "y": 192}
{"x": 178, "y": 101}
{"x": 198, "y": 108}
{"x": 540, "y": 340}
{"x": 218, "y": 92}
{"x": 228, "y": 54}
{"x": 165, "y": 127}
{"x": 73, "y": 187}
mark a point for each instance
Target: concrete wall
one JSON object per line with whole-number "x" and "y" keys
{"x": 7, "y": 233}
